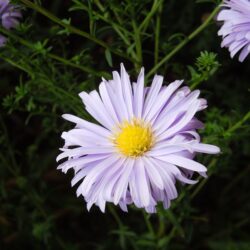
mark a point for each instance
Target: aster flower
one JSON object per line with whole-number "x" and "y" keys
{"x": 9, "y": 15}
{"x": 236, "y": 28}
{"x": 145, "y": 141}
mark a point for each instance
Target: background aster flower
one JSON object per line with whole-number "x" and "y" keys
{"x": 3, "y": 40}
{"x": 9, "y": 15}
{"x": 236, "y": 28}
{"x": 146, "y": 141}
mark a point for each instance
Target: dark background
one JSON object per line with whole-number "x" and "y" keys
{"x": 39, "y": 209}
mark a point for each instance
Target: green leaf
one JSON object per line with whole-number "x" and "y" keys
{"x": 108, "y": 57}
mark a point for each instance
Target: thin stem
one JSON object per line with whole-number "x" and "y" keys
{"x": 157, "y": 35}
{"x": 54, "y": 56}
{"x": 148, "y": 223}
{"x": 121, "y": 31}
{"x": 108, "y": 20}
{"x": 234, "y": 228}
{"x": 71, "y": 28}
{"x": 195, "y": 84}
{"x": 75, "y": 103}
{"x": 83, "y": 68}
{"x": 184, "y": 42}
{"x": 100, "y": 6}
{"x": 236, "y": 180}
{"x": 138, "y": 46}
{"x": 115, "y": 215}
{"x": 210, "y": 166}
{"x": 204, "y": 181}
{"x": 91, "y": 21}
{"x": 15, "y": 169}
{"x": 214, "y": 161}
{"x": 239, "y": 123}
{"x": 170, "y": 235}
{"x": 15, "y": 64}
{"x": 116, "y": 15}
{"x": 149, "y": 16}
{"x": 161, "y": 227}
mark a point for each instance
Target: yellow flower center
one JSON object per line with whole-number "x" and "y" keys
{"x": 134, "y": 139}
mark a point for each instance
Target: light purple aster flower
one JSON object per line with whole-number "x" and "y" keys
{"x": 236, "y": 28}
{"x": 9, "y": 15}
{"x": 144, "y": 141}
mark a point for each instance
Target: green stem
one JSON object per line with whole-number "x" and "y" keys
{"x": 148, "y": 223}
{"x": 115, "y": 215}
{"x": 198, "y": 82}
{"x": 239, "y": 123}
{"x": 143, "y": 26}
{"x": 109, "y": 21}
{"x": 184, "y": 42}
{"x": 170, "y": 235}
{"x": 210, "y": 166}
{"x": 74, "y": 103}
{"x": 116, "y": 15}
{"x": 83, "y": 68}
{"x": 91, "y": 20}
{"x": 15, "y": 169}
{"x": 53, "y": 56}
{"x": 121, "y": 31}
{"x": 214, "y": 161}
{"x": 232, "y": 229}
{"x": 138, "y": 46}
{"x": 157, "y": 35}
{"x": 245, "y": 172}
{"x": 204, "y": 181}
{"x": 71, "y": 28}
{"x": 100, "y": 6}
{"x": 15, "y": 64}
{"x": 161, "y": 227}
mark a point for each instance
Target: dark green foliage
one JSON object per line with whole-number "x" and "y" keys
{"x": 64, "y": 47}
{"x": 206, "y": 65}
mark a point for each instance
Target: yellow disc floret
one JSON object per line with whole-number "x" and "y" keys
{"x": 134, "y": 138}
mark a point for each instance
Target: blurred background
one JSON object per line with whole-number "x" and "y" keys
{"x": 44, "y": 66}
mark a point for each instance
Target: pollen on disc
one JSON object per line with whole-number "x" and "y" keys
{"x": 134, "y": 139}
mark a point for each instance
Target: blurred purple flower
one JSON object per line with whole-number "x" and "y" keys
{"x": 3, "y": 40}
{"x": 9, "y": 15}
{"x": 146, "y": 140}
{"x": 236, "y": 28}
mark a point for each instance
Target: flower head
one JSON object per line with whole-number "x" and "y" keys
{"x": 9, "y": 15}
{"x": 236, "y": 28}
{"x": 144, "y": 141}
